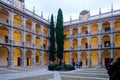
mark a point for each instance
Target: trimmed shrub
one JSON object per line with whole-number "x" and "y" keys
{"x": 52, "y": 66}
{"x": 58, "y": 68}
{"x": 69, "y": 67}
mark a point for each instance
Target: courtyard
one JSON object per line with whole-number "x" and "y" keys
{"x": 41, "y": 73}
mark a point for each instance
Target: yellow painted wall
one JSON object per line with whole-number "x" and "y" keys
{"x": 75, "y": 56}
{"x": 117, "y": 25}
{"x": 94, "y": 42}
{"x": 3, "y": 17}
{"x": 94, "y": 58}
{"x": 67, "y": 57}
{"x": 117, "y": 53}
{"x": 117, "y": 40}
{"x": 29, "y": 40}
{"x": 105, "y": 54}
{"x": 66, "y": 45}
{"x": 17, "y": 54}
{"x": 3, "y": 56}
{"x": 84, "y": 58}
{"x": 67, "y": 33}
{"x": 29, "y": 24}
{"x": 17, "y": 21}
{"x": 45, "y": 58}
{"x": 37, "y": 42}
{"x": 94, "y": 28}
{"x": 3, "y": 33}
{"x": 38, "y": 54}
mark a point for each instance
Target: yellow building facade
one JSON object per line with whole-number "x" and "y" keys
{"x": 24, "y": 37}
{"x": 92, "y": 39}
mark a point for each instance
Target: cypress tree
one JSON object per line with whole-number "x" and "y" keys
{"x": 52, "y": 41}
{"x": 59, "y": 35}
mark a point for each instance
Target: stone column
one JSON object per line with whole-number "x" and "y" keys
{"x": 33, "y": 40}
{"x": 89, "y": 29}
{"x": 42, "y": 58}
{"x": 89, "y": 42}
{"x": 33, "y": 59}
{"x": 112, "y": 54}
{"x": 79, "y": 57}
{"x": 112, "y": 25}
{"x": 24, "y": 60}
{"x": 24, "y": 38}
{"x": 100, "y": 59}
{"x": 100, "y": 41}
{"x": 79, "y": 43}
{"x": 70, "y": 57}
{"x": 70, "y": 44}
{"x": 33, "y": 27}
{"x": 100, "y": 27}
{"x": 10, "y": 58}
{"x": 41, "y": 42}
{"x": 42, "y": 29}
{"x": 89, "y": 59}
{"x": 11, "y": 36}
{"x": 71, "y": 32}
{"x": 79, "y": 30}
{"x": 10, "y": 20}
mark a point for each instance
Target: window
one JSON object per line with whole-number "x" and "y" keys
{"x": 107, "y": 44}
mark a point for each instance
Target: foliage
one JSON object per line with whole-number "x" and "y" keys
{"x": 52, "y": 66}
{"x": 69, "y": 67}
{"x": 52, "y": 41}
{"x": 59, "y": 35}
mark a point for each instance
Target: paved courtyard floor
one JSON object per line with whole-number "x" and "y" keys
{"x": 41, "y": 73}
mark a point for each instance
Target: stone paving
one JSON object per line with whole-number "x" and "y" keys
{"x": 37, "y": 74}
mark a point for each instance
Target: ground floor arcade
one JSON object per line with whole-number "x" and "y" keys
{"x": 13, "y": 57}
{"x": 92, "y": 57}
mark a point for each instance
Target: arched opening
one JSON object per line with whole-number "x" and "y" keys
{"x": 67, "y": 58}
{"x": 28, "y": 24}
{"x": 17, "y": 57}
{"x": 84, "y": 43}
{"x": 75, "y": 43}
{"x": 84, "y": 58}
{"x": 94, "y": 42}
{"x": 3, "y": 57}
{"x": 4, "y": 15}
{"x": 74, "y": 56}
{"x": 45, "y": 58}
{"x": 37, "y": 57}
{"x": 106, "y": 27}
{"x": 37, "y": 28}
{"x": 94, "y": 29}
{"x": 44, "y": 43}
{"x": 84, "y": 30}
{"x": 29, "y": 57}
{"x": 75, "y": 31}
{"x": 3, "y": 34}
{"x": 67, "y": 32}
{"x": 105, "y": 57}
{"x": 37, "y": 42}
{"x": 94, "y": 58}
{"x": 28, "y": 40}
{"x": 17, "y": 37}
{"x": 117, "y": 25}
{"x": 17, "y": 21}
{"x": 117, "y": 40}
{"x": 45, "y": 31}
{"x": 117, "y": 53}
{"x": 106, "y": 41}
{"x": 66, "y": 45}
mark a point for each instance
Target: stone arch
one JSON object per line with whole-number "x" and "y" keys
{"x": 37, "y": 28}
{"x": 75, "y": 43}
{"x": 67, "y": 32}
{"x": 117, "y": 53}
{"x": 28, "y": 24}
{"x": 45, "y": 31}
{"x": 106, "y": 41}
{"x": 74, "y": 56}
{"x": 105, "y": 57}
{"x": 67, "y": 57}
{"x": 28, "y": 39}
{"x": 4, "y": 56}
{"x": 17, "y": 37}
{"x": 94, "y": 28}
{"x": 3, "y": 34}
{"x": 94, "y": 42}
{"x": 17, "y": 57}
{"x": 45, "y": 58}
{"x": 117, "y": 40}
{"x": 106, "y": 26}
{"x": 84, "y": 57}
{"x": 29, "y": 58}
{"x": 75, "y": 31}
{"x": 37, "y": 42}
{"x": 37, "y": 57}
{"x": 66, "y": 45}
{"x": 117, "y": 24}
{"x": 94, "y": 58}
{"x": 4, "y": 15}
{"x": 17, "y": 20}
{"x": 84, "y": 43}
{"x": 84, "y": 30}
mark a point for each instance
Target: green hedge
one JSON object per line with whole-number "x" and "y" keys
{"x": 57, "y": 67}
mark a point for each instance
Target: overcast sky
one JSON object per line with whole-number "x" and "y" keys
{"x": 70, "y": 7}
